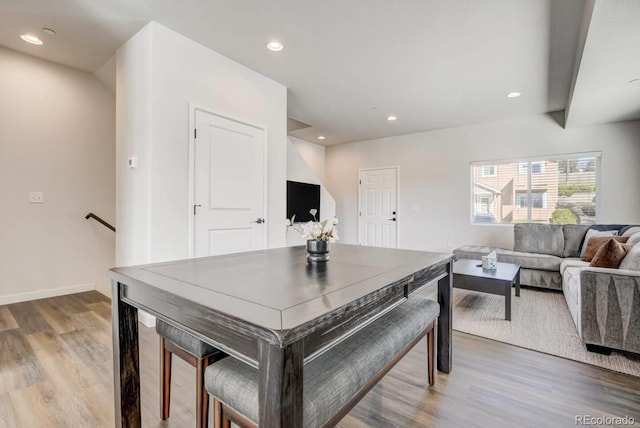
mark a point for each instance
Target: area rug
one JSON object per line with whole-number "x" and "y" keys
{"x": 540, "y": 320}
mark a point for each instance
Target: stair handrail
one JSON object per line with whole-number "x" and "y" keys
{"x": 99, "y": 220}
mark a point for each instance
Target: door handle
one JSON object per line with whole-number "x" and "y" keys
{"x": 260, "y": 220}
{"x": 195, "y": 207}
{"x": 393, "y": 219}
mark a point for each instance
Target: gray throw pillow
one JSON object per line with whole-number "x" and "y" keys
{"x": 631, "y": 231}
{"x": 631, "y": 260}
{"x": 634, "y": 239}
{"x": 591, "y": 233}
{"x": 573, "y": 236}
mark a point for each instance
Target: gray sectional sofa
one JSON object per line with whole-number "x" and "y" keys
{"x": 604, "y": 303}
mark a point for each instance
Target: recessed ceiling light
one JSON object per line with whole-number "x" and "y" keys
{"x": 513, "y": 94}
{"x": 275, "y": 46}
{"x": 321, "y": 137}
{"x": 31, "y": 39}
{"x": 391, "y": 118}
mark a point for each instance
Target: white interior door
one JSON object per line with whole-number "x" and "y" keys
{"x": 229, "y": 186}
{"x": 377, "y": 221}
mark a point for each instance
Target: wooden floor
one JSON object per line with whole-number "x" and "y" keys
{"x": 56, "y": 371}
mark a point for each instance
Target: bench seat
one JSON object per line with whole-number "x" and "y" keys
{"x": 332, "y": 380}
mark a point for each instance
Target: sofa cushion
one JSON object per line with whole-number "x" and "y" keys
{"x": 538, "y": 238}
{"x": 634, "y": 239}
{"x": 524, "y": 260}
{"x": 573, "y": 236}
{"x": 529, "y": 260}
{"x": 474, "y": 252}
{"x": 610, "y": 254}
{"x": 572, "y": 262}
{"x": 596, "y": 242}
{"x": 629, "y": 230}
{"x": 632, "y": 260}
{"x": 593, "y": 233}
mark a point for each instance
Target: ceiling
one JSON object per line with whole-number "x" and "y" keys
{"x": 349, "y": 64}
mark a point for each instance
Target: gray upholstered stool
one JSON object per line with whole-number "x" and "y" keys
{"x": 335, "y": 381}
{"x": 195, "y": 352}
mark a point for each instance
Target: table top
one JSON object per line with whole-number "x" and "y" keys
{"x": 277, "y": 288}
{"x": 504, "y": 271}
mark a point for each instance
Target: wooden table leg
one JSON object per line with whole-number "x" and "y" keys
{"x": 280, "y": 385}
{"x": 126, "y": 370}
{"x": 445, "y": 297}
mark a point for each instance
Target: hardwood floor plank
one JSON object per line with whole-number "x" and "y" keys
{"x": 102, "y": 308}
{"x": 38, "y": 406}
{"x": 55, "y": 315}
{"x": 7, "y": 414}
{"x": 28, "y": 318}
{"x": 89, "y": 350}
{"x": 18, "y": 364}
{"x": 7, "y": 322}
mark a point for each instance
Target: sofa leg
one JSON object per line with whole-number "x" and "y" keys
{"x": 598, "y": 349}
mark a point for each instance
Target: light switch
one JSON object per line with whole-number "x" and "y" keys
{"x": 133, "y": 162}
{"x": 36, "y": 198}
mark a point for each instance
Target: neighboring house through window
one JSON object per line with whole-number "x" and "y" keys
{"x": 557, "y": 189}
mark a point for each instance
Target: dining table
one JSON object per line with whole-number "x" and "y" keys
{"x": 273, "y": 310}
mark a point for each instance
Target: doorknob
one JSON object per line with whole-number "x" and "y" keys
{"x": 260, "y": 220}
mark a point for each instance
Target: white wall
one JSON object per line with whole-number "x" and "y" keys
{"x": 159, "y": 73}
{"x": 434, "y": 175}
{"x": 305, "y": 163}
{"x": 57, "y": 132}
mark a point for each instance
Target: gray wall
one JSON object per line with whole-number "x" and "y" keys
{"x": 434, "y": 198}
{"x": 57, "y": 134}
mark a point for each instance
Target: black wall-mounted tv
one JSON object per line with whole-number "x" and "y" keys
{"x": 301, "y": 197}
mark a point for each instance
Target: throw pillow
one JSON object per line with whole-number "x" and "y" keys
{"x": 593, "y": 233}
{"x": 596, "y": 242}
{"x": 632, "y": 260}
{"x": 634, "y": 239}
{"x": 630, "y": 230}
{"x": 610, "y": 254}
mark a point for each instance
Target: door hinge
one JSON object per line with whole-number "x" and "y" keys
{"x": 360, "y": 181}
{"x": 195, "y": 133}
{"x": 360, "y": 213}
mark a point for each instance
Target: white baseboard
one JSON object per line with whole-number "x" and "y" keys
{"x": 146, "y": 318}
{"x": 43, "y": 294}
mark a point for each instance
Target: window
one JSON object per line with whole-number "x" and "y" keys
{"x": 488, "y": 170}
{"x": 557, "y": 189}
{"x": 538, "y": 199}
{"x": 536, "y": 167}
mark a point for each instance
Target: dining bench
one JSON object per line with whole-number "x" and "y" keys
{"x": 337, "y": 379}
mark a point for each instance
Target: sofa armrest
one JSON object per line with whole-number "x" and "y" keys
{"x": 610, "y": 308}
{"x": 605, "y": 272}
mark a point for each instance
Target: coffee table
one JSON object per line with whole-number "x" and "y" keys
{"x": 469, "y": 275}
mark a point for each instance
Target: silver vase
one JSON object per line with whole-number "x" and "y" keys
{"x": 318, "y": 251}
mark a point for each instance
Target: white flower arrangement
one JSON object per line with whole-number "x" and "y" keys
{"x": 315, "y": 230}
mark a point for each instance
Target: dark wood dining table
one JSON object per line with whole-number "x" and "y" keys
{"x": 272, "y": 310}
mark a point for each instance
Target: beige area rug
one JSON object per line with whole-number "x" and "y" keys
{"x": 540, "y": 320}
